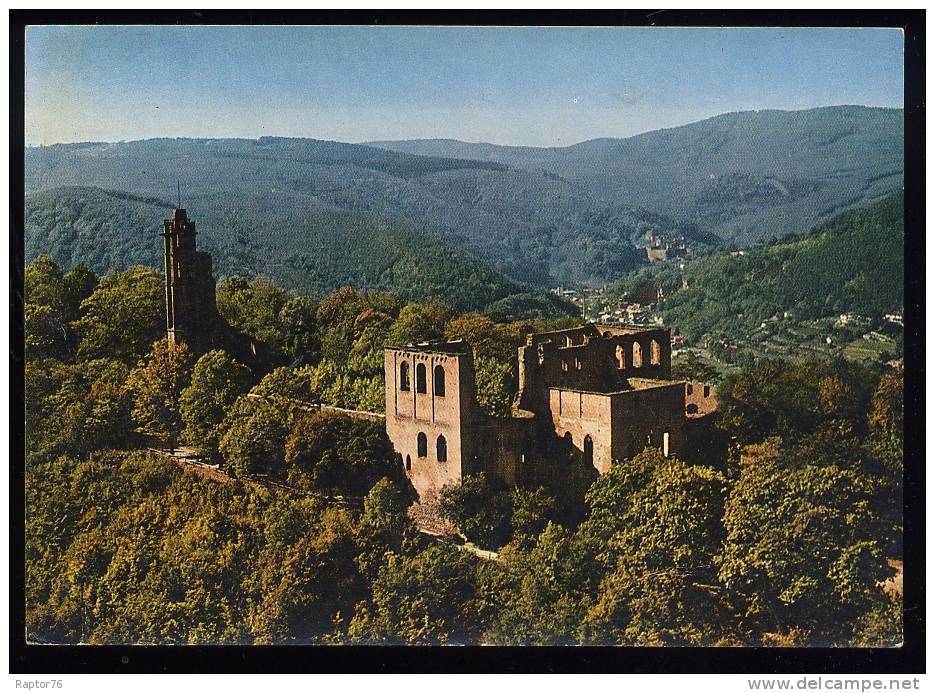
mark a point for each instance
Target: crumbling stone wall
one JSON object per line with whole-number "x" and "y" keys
{"x": 591, "y": 395}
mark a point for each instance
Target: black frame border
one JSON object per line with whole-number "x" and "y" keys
{"x": 910, "y": 658}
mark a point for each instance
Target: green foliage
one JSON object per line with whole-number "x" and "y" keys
{"x": 52, "y": 301}
{"x": 217, "y": 381}
{"x": 541, "y": 596}
{"x": 793, "y": 397}
{"x": 157, "y": 385}
{"x": 424, "y": 599}
{"x": 308, "y": 245}
{"x": 805, "y": 536}
{"x": 76, "y": 409}
{"x": 532, "y": 512}
{"x": 660, "y": 521}
{"x": 419, "y": 323}
{"x": 283, "y": 322}
{"x": 127, "y": 548}
{"x": 851, "y": 264}
{"x": 44, "y": 284}
{"x": 885, "y": 418}
{"x": 479, "y": 509}
{"x": 339, "y": 455}
{"x": 384, "y": 528}
{"x": 692, "y": 368}
{"x": 123, "y": 316}
{"x": 496, "y": 386}
{"x": 255, "y": 436}
{"x": 794, "y": 543}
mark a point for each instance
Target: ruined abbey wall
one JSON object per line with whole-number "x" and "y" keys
{"x": 589, "y": 396}
{"x": 431, "y": 412}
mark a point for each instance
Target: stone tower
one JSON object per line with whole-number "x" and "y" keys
{"x": 191, "y": 307}
{"x": 431, "y": 412}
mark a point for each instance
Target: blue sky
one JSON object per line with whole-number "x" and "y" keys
{"x": 523, "y": 86}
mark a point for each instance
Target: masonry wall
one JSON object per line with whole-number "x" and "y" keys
{"x": 595, "y": 358}
{"x": 649, "y": 417}
{"x": 410, "y": 412}
{"x": 579, "y": 417}
{"x": 502, "y": 448}
{"x": 700, "y": 400}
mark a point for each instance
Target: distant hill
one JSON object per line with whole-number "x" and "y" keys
{"x": 300, "y": 243}
{"x": 851, "y": 264}
{"x": 530, "y": 226}
{"x": 746, "y": 177}
{"x": 317, "y": 214}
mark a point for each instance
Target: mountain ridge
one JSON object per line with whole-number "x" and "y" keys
{"x": 540, "y": 218}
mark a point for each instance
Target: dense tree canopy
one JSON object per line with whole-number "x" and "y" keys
{"x": 304, "y": 534}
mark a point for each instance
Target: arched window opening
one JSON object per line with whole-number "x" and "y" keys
{"x": 439, "y": 381}
{"x": 577, "y": 364}
{"x": 441, "y": 449}
{"x": 404, "y": 376}
{"x": 408, "y": 463}
{"x": 567, "y": 440}
{"x": 564, "y": 365}
{"x": 588, "y": 450}
{"x": 707, "y": 390}
{"x": 655, "y": 353}
{"x": 620, "y": 355}
{"x": 422, "y": 443}
{"x": 688, "y": 389}
{"x": 569, "y": 340}
{"x": 420, "y": 378}
{"x": 637, "y": 355}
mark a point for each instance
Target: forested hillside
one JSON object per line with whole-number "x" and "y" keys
{"x": 291, "y": 207}
{"x": 279, "y": 194}
{"x": 793, "y": 539}
{"x": 746, "y": 177}
{"x": 108, "y": 230}
{"x": 851, "y": 264}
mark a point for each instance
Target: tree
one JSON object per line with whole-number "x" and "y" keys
{"x": 532, "y": 512}
{"x": 123, "y": 316}
{"x": 804, "y": 539}
{"x": 216, "y": 383}
{"x": 658, "y": 520}
{"x": 299, "y": 330}
{"x": 419, "y": 323}
{"x": 479, "y": 509}
{"x": 540, "y": 596}
{"x": 496, "y": 386}
{"x": 44, "y": 284}
{"x": 425, "y": 599}
{"x": 692, "y": 368}
{"x": 288, "y": 383}
{"x": 338, "y": 454}
{"x": 488, "y": 339}
{"x": 254, "y": 438}
{"x": 885, "y": 419}
{"x": 78, "y": 284}
{"x": 76, "y": 409}
{"x": 157, "y": 386}
{"x": 384, "y": 526}
{"x": 45, "y": 333}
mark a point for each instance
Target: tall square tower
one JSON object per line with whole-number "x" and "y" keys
{"x": 431, "y": 412}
